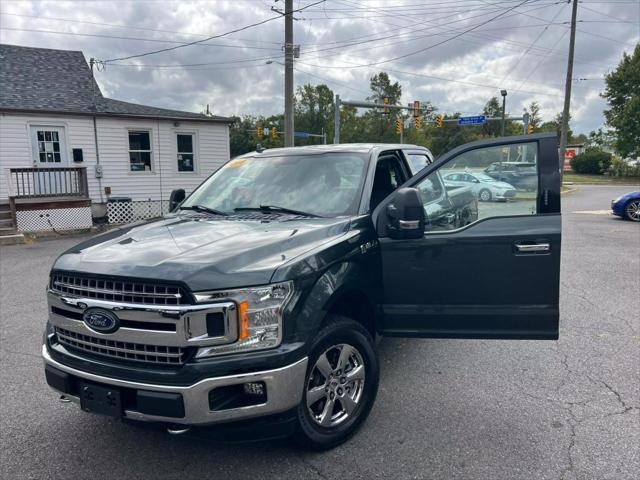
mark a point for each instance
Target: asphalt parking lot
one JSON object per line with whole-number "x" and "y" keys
{"x": 446, "y": 409}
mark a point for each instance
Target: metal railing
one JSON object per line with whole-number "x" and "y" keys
{"x": 48, "y": 182}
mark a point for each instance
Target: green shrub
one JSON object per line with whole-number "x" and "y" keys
{"x": 621, "y": 168}
{"x": 592, "y": 161}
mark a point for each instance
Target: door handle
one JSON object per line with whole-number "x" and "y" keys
{"x": 533, "y": 247}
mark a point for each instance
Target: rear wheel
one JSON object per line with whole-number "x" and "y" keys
{"x": 340, "y": 386}
{"x": 632, "y": 210}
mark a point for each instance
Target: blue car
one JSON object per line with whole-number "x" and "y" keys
{"x": 627, "y": 206}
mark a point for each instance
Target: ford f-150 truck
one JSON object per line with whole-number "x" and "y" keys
{"x": 257, "y": 302}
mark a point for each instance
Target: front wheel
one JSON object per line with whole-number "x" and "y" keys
{"x": 340, "y": 386}
{"x": 485, "y": 195}
{"x": 632, "y": 210}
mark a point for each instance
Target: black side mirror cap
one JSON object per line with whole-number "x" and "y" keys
{"x": 406, "y": 214}
{"x": 176, "y": 198}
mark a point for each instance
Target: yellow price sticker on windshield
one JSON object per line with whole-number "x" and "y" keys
{"x": 235, "y": 163}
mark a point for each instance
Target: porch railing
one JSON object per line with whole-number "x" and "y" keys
{"x": 48, "y": 182}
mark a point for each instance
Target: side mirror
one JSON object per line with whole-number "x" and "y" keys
{"x": 406, "y": 214}
{"x": 176, "y": 198}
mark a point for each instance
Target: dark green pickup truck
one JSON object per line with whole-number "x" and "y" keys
{"x": 256, "y": 303}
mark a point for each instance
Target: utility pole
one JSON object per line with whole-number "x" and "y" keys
{"x": 564, "y": 128}
{"x": 288, "y": 73}
{"x": 336, "y": 120}
{"x": 504, "y": 106}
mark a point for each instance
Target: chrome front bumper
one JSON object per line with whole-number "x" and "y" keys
{"x": 284, "y": 391}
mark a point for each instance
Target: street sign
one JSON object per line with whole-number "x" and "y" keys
{"x": 301, "y": 134}
{"x": 471, "y": 120}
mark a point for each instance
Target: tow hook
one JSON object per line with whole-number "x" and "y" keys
{"x": 64, "y": 399}
{"x": 177, "y": 430}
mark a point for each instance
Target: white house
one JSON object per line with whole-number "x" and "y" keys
{"x": 67, "y": 153}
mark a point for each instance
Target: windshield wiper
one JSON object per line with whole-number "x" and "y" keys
{"x": 202, "y": 208}
{"x": 275, "y": 209}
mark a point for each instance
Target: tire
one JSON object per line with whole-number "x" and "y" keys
{"x": 632, "y": 210}
{"x": 319, "y": 428}
{"x": 484, "y": 195}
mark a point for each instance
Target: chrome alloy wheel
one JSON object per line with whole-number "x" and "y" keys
{"x": 633, "y": 210}
{"x": 336, "y": 385}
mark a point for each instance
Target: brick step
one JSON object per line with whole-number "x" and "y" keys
{"x": 6, "y": 223}
{"x": 5, "y": 214}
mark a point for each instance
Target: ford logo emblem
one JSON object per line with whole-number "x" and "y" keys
{"x": 101, "y": 321}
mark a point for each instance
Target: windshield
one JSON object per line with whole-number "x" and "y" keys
{"x": 327, "y": 185}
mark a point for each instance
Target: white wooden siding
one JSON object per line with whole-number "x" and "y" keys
{"x": 15, "y": 141}
{"x": 211, "y": 145}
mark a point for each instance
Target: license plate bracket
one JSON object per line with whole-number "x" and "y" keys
{"x": 100, "y": 400}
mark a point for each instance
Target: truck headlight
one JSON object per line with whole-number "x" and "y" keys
{"x": 259, "y": 313}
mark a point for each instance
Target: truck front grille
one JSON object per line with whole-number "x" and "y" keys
{"x": 117, "y": 290}
{"x": 136, "y": 352}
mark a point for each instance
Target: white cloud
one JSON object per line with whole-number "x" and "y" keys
{"x": 518, "y": 51}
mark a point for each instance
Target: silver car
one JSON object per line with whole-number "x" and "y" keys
{"x": 483, "y": 186}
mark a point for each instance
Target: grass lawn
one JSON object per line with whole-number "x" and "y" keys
{"x": 578, "y": 178}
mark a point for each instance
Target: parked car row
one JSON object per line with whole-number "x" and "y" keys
{"x": 484, "y": 187}
{"x": 522, "y": 175}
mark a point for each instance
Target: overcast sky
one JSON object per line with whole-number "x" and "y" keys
{"x": 454, "y": 53}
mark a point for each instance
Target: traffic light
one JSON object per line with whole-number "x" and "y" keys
{"x": 274, "y": 132}
{"x": 386, "y": 102}
{"x": 439, "y": 120}
{"x": 416, "y": 109}
{"x": 259, "y": 132}
{"x": 398, "y": 126}
{"x": 530, "y": 129}
{"x": 418, "y": 123}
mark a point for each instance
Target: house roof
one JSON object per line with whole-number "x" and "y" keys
{"x": 47, "y": 80}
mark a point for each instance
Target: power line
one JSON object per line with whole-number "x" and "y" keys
{"x": 502, "y": 40}
{"x": 411, "y": 32}
{"x": 236, "y": 30}
{"x": 543, "y": 59}
{"x": 140, "y": 39}
{"x": 344, "y": 85}
{"x": 136, "y": 27}
{"x": 435, "y": 44}
{"x": 535, "y": 40}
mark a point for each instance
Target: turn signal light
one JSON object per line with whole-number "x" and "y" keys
{"x": 243, "y": 317}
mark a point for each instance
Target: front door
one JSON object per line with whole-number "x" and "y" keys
{"x": 482, "y": 269}
{"x": 49, "y": 151}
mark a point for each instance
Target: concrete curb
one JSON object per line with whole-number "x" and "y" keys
{"x": 571, "y": 190}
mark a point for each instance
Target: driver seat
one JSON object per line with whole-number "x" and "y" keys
{"x": 382, "y": 185}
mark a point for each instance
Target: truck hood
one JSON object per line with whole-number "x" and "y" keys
{"x": 205, "y": 252}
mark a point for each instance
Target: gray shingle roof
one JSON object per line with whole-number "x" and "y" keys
{"x": 42, "y": 79}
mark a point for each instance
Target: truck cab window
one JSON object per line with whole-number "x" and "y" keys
{"x": 481, "y": 183}
{"x": 389, "y": 176}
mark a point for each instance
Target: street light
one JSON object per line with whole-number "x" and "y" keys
{"x": 504, "y": 104}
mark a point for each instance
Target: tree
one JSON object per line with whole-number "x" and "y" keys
{"x": 241, "y": 140}
{"x": 378, "y": 126}
{"x": 534, "y": 115}
{"x": 623, "y": 97}
{"x": 382, "y": 87}
{"x": 493, "y": 128}
{"x": 313, "y": 110}
{"x": 602, "y": 139}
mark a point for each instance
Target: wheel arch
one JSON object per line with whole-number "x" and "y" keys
{"x": 347, "y": 288}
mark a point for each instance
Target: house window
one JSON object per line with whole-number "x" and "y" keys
{"x": 186, "y": 154}
{"x": 48, "y": 146}
{"x": 139, "y": 151}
